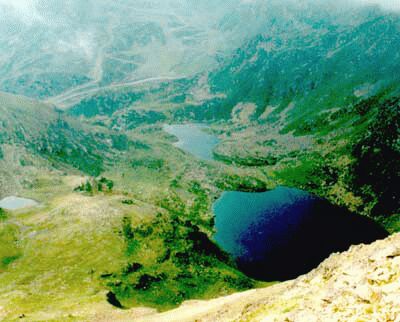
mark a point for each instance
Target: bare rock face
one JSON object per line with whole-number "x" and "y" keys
{"x": 362, "y": 284}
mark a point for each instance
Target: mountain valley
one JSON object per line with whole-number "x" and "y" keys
{"x": 303, "y": 95}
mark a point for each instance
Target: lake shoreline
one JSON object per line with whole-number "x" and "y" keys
{"x": 193, "y": 139}
{"x": 285, "y": 232}
{"x": 12, "y": 203}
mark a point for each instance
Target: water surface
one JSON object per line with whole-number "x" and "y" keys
{"x": 193, "y": 139}
{"x": 14, "y": 203}
{"x": 283, "y": 233}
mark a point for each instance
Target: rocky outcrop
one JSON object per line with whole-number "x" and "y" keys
{"x": 362, "y": 284}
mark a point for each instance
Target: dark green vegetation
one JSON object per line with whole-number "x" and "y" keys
{"x": 10, "y": 251}
{"x": 3, "y": 214}
{"x": 375, "y": 173}
{"x": 95, "y": 185}
{"x": 170, "y": 260}
{"x": 365, "y": 164}
{"x": 341, "y": 101}
{"x": 311, "y": 70}
{"x": 105, "y": 104}
{"x": 50, "y": 134}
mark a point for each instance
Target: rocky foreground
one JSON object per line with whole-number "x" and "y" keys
{"x": 362, "y": 284}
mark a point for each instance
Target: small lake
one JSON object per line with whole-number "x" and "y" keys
{"x": 14, "y": 203}
{"x": 193, "y": 139}
{"x": 283, "y": 233}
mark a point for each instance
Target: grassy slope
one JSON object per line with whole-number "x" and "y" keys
{"x": 54, "y": 255}
{"x": 183, "y": 188}
{"x": 60, "y": 249}
{"x": 37, "y": 140}
{"x": 76, "y": 249}
{"x": 86, "y": 233}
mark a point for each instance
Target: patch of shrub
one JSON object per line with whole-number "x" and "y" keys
{"x": 3, "y": 214}
{"x": 128, "y": 202}
{"x": 84, "y": 187}
{"x": 241, "y": 183}
{"x": 170, "y": 260}
{"x": 105, "y": 184}
{"x": 94, "y": 185}
{"x": 150, "y": 163}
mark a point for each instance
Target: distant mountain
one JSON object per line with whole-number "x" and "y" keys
{"x": 53, "y": 46}
{"x": 312, "y": 64}
{"x": 317, "y": 78}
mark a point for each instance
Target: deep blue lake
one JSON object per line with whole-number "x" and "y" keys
{"x": 283, "y": 233}
{"x": 279, "y": 234}
{"x": 193, "y": 139}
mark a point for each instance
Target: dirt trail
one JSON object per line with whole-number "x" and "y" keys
{"x": 75, "y": 95}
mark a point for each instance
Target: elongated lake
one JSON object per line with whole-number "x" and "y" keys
{"x": 193, "y": 139}
{"x": 283, "y": 233}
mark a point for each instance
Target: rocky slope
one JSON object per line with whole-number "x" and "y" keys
{"x": 361, "y": 284}
{"x": 36, "y": 137}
